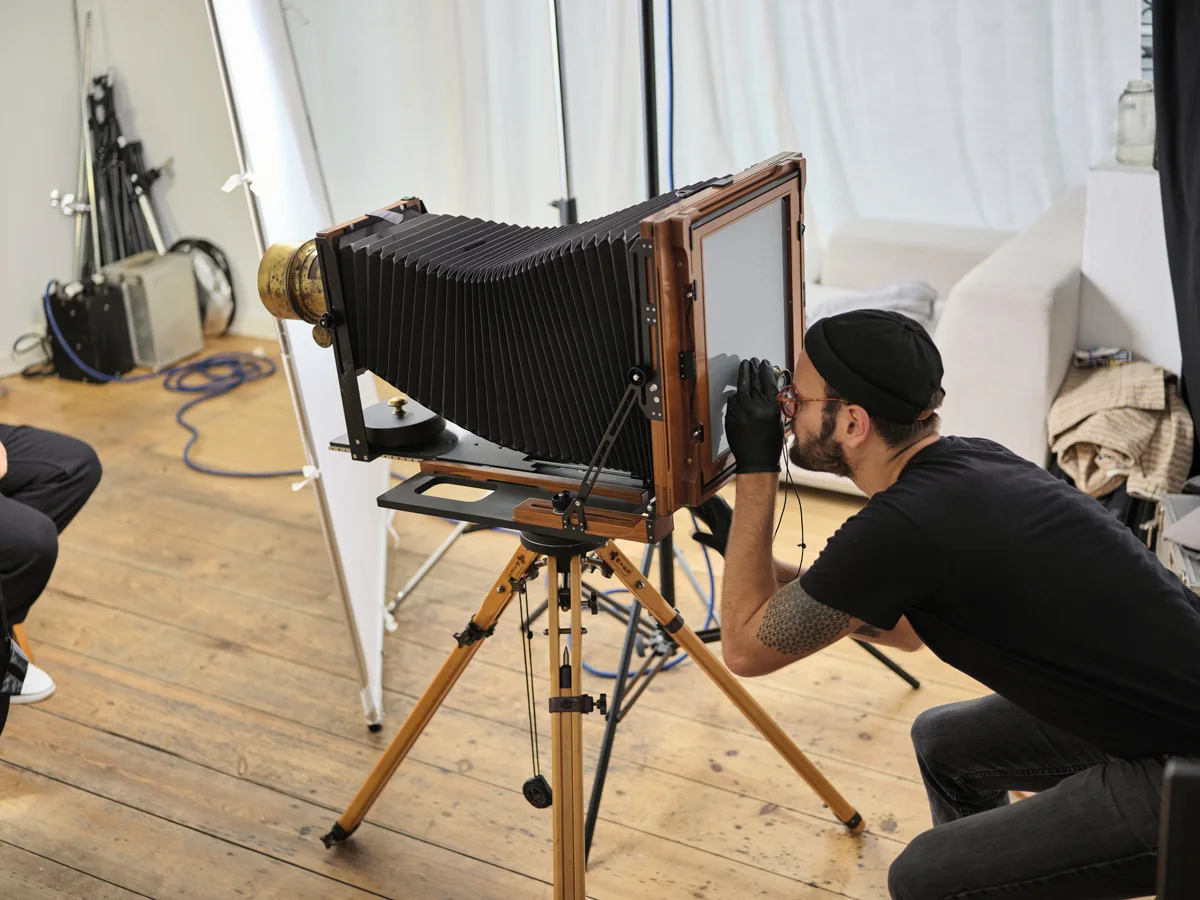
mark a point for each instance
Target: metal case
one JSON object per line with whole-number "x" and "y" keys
{"x": 162, "y": 306}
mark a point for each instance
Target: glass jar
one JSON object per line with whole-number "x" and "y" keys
{"x": 1135, "y": 124}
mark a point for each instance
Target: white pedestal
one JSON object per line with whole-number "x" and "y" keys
{"x": 1126, "y": 298}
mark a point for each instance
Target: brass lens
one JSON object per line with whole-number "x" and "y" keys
{"x": 289, "y": 282}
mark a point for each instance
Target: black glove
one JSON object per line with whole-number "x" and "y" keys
{"x": 753, "y": 421}
{"x": 718, "y": 516}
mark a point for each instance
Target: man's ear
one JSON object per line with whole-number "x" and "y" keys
{"x": 857, "y": 425}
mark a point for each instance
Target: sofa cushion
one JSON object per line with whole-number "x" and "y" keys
{"x": 915, "y": 299}
{"x": 867, "y": 252}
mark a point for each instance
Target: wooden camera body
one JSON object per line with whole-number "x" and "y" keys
{"x": 717, "y": 274}
{"x": 687, "y": 471}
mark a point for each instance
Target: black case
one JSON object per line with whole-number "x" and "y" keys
{"x": 1178, "y": 862}
{"x": 95, "y": 326}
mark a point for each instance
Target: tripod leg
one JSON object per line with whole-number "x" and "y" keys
{"x": 889, "y": 662}
{"x": 469, "y": 642}
{"x": 732, "y": 688}
{"x": 566, "y": 736}
{"x": 579, "y": 855}
{"x": 561, "y": 801}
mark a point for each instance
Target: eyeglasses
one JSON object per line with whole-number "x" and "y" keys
{"x": 789, "y": 401}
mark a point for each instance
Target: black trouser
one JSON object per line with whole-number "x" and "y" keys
{"x": 1090, "y": 833}
{"x": 50, "y": 476}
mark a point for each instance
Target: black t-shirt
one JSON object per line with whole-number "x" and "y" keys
{"x": 1029, "y": 586}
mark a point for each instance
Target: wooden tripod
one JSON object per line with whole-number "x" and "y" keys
{"x": 567, "y": 705}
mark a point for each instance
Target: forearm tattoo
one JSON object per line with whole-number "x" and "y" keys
{"x": 794, "y": 623}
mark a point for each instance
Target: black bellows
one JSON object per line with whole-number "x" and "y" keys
{"x": 523, "y": 336}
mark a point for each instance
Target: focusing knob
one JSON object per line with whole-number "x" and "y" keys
{"x": 561, "y": 501}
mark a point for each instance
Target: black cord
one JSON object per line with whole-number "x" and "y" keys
{"x": 527, "y": 662}
{"x": 802, "y": 545}
{"x": 35, "y": 340}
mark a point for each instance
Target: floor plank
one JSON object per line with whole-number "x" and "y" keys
{"x": 24, "y": 874}
{"x": 247, "y": 815}
{"x": 141, "y": 852}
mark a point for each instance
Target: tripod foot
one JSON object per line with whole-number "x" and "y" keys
{"x": 375, "y": 727}
{"x": 854, "y": 823}
{"x": 337, "y": 835}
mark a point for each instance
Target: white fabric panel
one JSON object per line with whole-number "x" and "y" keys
{"x": 281, "y": 155}
{"x": 970, "y": 113}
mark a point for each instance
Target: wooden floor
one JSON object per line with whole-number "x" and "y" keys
{"x": 207, "y": 730}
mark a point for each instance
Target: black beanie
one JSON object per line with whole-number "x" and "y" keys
{"x": 882, "y": 361}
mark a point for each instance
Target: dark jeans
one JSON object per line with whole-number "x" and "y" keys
{"x": 50, "y": 476}
{"x": 1090, "y": 833}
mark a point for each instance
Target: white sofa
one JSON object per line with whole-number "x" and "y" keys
{"x": 1007, "y": 319}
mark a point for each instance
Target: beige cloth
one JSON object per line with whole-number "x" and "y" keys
{"x": 1121, "y": 423}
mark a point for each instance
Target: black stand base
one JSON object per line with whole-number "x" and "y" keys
{"x": 890, "y": 663}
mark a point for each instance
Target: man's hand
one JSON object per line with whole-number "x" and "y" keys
{"x": 716, "y": 514}
{"x": 753, "y": 422}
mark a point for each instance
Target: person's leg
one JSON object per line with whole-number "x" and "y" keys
{"x": 28, "y": 551}
{"x": 971, "y": 754}
{"x": 52, "y": 473}
{"x": 1093, "y": 836}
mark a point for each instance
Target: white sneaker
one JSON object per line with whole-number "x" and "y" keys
{"x": 37, "y": 687}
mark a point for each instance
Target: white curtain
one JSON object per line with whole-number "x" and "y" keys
{"x": 449, "y": 101}
{"x": 975, "y": 112}
{"x": 962, "y": 112}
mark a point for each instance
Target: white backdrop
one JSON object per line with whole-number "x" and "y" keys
{"x": 971, "y": 113}
{"x": 292, "y": 207}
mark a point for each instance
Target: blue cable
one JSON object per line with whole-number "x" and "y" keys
{"x": 218, "y": 374}
{"x": 708, "y": 620}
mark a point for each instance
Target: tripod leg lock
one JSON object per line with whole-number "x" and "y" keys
{"x": 584, "y": 703}
{"x": 337, "y": 835}
{"x": 473, "y": 633}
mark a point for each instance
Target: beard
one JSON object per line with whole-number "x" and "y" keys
{"x": 821, "y": 453}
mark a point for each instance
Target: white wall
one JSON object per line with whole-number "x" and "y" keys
{"x": 39, "y": 151}
{"x": 169, "y": 97}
